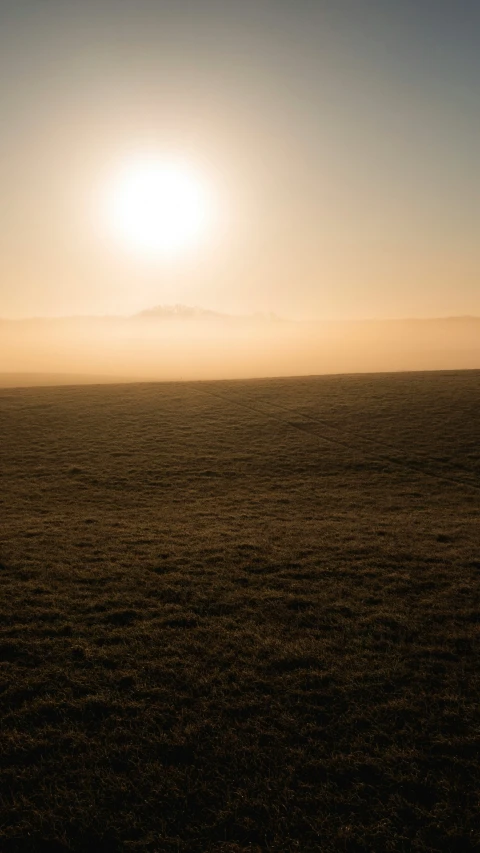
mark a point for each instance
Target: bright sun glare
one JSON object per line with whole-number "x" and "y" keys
{"x": 159, "y": 207}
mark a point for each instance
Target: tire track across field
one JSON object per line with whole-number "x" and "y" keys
{"x": 378, "y": 456}
{"x": 377, "y": 443}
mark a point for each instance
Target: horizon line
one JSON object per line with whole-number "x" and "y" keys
{"x": 149, "y": 313}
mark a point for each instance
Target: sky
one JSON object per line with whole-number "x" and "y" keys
{"x": 340, "y": 139}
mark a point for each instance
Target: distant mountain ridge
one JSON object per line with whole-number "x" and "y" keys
{"x": 179, "y": 312}
{"x": 194, "y": 312}
{"x": 188, "y": 312}
{"x": 158, "y": 312}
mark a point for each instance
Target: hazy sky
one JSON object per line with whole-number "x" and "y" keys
{"x": 341, "y": 138}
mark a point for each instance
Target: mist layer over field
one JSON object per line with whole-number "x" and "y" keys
{"x": 181, "y": 343}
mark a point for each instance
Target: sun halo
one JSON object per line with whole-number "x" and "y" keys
{"x": 158, "y": 207}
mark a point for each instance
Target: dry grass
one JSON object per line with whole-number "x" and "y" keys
{"x": 241, "y": 616}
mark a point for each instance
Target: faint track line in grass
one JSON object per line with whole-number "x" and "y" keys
{"x": 377, "y": 444}
{"x": 379, "y": 457}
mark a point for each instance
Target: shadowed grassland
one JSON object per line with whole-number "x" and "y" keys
{"x": 241, "y": 616}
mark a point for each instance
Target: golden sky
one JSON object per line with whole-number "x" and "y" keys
{"x": 340, "y": 140}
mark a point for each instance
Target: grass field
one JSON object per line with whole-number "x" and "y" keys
{"x": 241, "y": 615}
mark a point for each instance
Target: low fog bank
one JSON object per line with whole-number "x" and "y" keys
{"x": 179, "y": 343}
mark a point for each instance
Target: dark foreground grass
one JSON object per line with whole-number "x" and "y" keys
{"x": 241, "y": 616}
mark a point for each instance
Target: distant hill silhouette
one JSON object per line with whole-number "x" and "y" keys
{"x": 179, "y": 312}
{"x": 157, "y": 312}
{"x": 187, "y": 312}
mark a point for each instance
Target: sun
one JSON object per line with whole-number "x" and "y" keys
{"x": 159, "y": 207}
